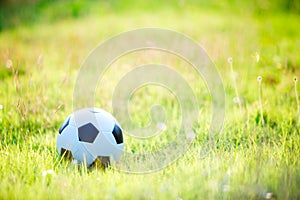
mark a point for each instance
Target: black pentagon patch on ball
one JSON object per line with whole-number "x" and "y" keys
{"x": 64, "y": 125}
{"x": 93, "y": 111}
{"x": 101, "y": 161}
{"x": 117, "y": 132}
{"x": 87, "y": 133}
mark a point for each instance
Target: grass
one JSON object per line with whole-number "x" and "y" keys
{"x": 38, "y": 70}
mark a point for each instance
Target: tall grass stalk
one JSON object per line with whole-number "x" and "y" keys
{"x": 230, "y": 61}
{"x": 297, "y": 97}
{"x": 259, "y": 79}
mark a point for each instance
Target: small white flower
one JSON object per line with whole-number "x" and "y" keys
{"x": 161, "y": 126}
{"x": 47, "y": 172}
{"x": 230, "y": 60}
{"x": 1, "y": 106}
{"x": 295, "y": 79}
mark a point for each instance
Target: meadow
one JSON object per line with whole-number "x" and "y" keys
{"x": 256, "y": 155}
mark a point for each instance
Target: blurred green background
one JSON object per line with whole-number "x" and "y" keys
{"x": 27, "y": 12}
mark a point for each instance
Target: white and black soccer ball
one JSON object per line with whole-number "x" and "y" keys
{"x": 89, "y": 134}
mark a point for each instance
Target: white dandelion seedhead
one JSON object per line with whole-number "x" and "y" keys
{"x": 259, "y": 78}
{"x": 1, "y": 106}
{"x": 230, "y": 60}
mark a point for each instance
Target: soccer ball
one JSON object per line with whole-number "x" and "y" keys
{"x": 89, "y": 135}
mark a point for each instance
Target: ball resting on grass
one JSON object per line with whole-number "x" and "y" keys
{"x": 90, "y": 135}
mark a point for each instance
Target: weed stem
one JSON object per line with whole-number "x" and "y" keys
{"x": 297, "y": 98}
{"x": 234, "y": 84}
{"x": 259, "y": 79}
